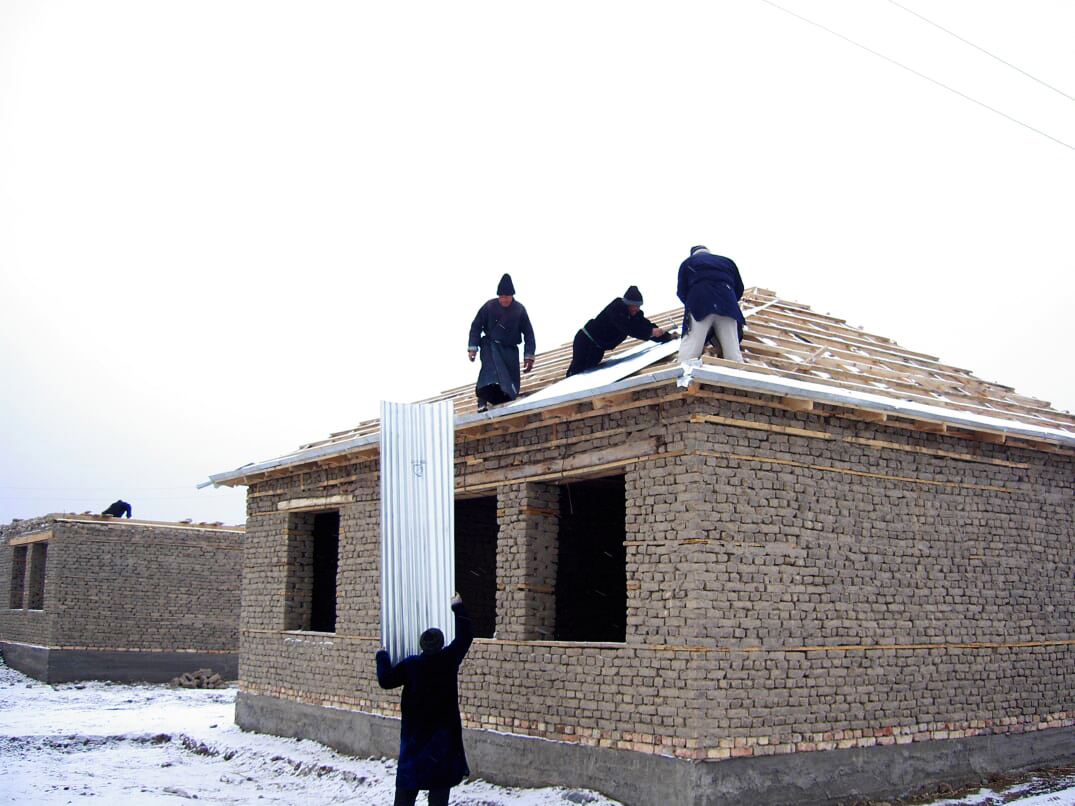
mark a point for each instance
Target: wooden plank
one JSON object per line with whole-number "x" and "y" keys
{"x": 539, "y": 512}
{"x": 963, "y": 457}
{"x": 583, "y": 471}
{"x": 39, "y": 537}
{"x": 524, "y": 586}
{"x": 779, "y": 429}
{"x": 301, "y": 504}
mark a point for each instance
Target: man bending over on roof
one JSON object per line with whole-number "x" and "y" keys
{"x": 621, "y": 318}
{"x": 501, "y": 323}
{"x": 710, "y": 288}
{"x": 118, "y": 509}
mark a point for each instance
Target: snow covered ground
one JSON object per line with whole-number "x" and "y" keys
{"x": 150, "y": 744}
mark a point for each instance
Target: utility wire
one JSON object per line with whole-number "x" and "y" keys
{"x": 983, "y": 50}
{"x": 920, "y": 75}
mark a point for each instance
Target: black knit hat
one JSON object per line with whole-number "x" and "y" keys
{"x": 698, "y": 249}
{"x": 505, "y": 287}
{"x": 632, "y": 296}
{"x": 432, "y": 640}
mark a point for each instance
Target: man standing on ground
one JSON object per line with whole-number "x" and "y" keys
{"x": 621, "y": 318}
{"x": 495, "y": 333}
{"x": 710, "y": 288}
{"x": 431, "y": 754}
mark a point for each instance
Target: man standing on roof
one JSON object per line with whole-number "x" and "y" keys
{"x": 621, "y": 318}
{"x": 710, "y": 287}
{"x": 501, "y": 323}
{"x": 431, "y": 753}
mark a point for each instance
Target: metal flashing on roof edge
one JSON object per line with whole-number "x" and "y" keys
{"x": 821, "y": 393}
{"x": 684, "y": 375}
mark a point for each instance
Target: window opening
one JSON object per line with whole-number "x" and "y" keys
{"x": 313, "y": 552}
{"x": 18, "y": 577}
{"x": 326, "y": 564}
{"x": 591, "y": 571}
{"x": 35, "y": 587}
{"x": 476, "y": 530}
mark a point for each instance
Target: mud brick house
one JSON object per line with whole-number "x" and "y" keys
{"x": 89, "y": 597}
{"x": 840, "y": 570}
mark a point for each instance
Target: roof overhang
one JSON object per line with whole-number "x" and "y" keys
{"x": 684, "y": 376}
{"x": 736, "y": 378}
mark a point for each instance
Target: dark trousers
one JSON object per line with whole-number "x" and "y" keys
{"x": 491, "y": 394}
{"x": 406, "y": 797}
{"x": 584, "y": 354}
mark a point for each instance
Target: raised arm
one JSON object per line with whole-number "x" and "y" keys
{"x": 464, "y": 632}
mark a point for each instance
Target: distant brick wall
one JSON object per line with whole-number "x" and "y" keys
{"x": 795, "y": 582}
{"x": 123, "y": 585}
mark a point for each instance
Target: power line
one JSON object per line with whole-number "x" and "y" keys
{"x": 920, "y": 75}
{"x": 983, "y": 50}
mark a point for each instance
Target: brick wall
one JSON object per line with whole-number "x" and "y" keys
{"x": 124, "y": 585}
{"x": 795, "y": 581}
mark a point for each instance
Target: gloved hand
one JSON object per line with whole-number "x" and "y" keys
{"x": 528, "y": 364}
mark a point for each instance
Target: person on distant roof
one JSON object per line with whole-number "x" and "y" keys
{"x": 710, "y": 287}
{"x": 621, "y": 318}
{"x": 495, "y": 333}
{"x": 431, "y": 752}
{"x": 118, "y": 509}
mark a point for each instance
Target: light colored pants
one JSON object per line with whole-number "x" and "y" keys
{"x": 727, "y": 329}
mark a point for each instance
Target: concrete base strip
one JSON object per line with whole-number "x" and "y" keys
{"x": 52, "y": 665}
{"x": 639, "y": 779}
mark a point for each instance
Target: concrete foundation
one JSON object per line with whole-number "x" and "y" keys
{"x": 641, "y": 779}
{"x": 70, "y": 665}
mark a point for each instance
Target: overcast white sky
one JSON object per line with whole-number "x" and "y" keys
{"x": 229, "y": 228}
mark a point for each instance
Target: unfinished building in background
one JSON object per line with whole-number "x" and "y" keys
{"x": 841, "y": 569}
{"x": 90, "y": 597}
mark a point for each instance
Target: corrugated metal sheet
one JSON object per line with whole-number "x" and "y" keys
{"x": 417, "y": 523}
{"x": 620, "y": 366}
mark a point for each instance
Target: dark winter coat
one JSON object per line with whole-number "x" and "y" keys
{"x": 606, "y": 331}
{"x": 118, "y": 509}
{"x": 495, "y": 333}
{"x": 431, "y": 754}
{"x": 710, "y": 284}
{"x": 615, "y": 323}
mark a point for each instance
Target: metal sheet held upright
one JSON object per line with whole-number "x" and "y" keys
{"x": 417, "y": 523}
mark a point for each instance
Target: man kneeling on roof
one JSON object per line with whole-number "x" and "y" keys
{"x": 621, "y": 318}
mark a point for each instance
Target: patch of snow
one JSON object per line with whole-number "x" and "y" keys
{"x": 149, "y": 744}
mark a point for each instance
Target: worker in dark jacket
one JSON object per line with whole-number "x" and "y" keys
{"x": 118, "y": 509}
{"x": 431, "y": 754}
{"x": 621, "y": 318}
{"x": 501, "y": 323}
{"x": 710, "y": 288}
